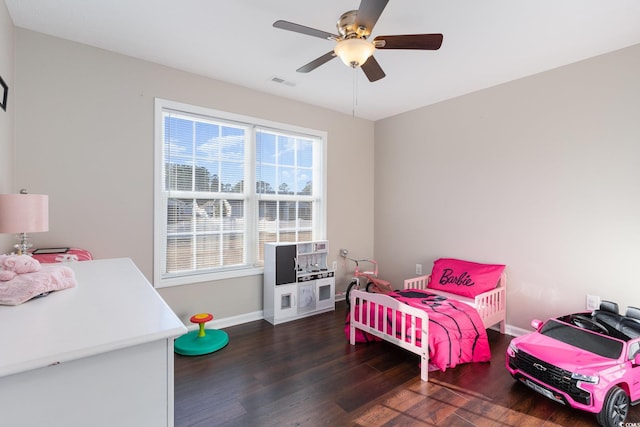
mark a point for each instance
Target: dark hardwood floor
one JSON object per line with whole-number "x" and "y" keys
{"x": 305, "y": 373}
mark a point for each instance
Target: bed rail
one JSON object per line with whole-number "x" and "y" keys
{"x": 381, "y": 320}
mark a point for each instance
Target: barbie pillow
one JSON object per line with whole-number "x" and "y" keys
{"x": 464, "y": 278}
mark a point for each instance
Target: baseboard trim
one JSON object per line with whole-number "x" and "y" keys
{"x": 226, "y": 322}
{"x": 515, "y": 331}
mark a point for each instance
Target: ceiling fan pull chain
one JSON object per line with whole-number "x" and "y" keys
{"x": 355, "y": 93}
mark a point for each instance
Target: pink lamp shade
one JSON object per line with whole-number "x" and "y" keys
{"x": 24, "y": 213}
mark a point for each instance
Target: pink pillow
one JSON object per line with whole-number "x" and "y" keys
{"x": 464, "y": 278}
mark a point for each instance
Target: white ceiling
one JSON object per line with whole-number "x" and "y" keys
{"x": 486, "y": 42}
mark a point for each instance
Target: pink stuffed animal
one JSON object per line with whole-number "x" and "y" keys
{"x": 19, "y": 264}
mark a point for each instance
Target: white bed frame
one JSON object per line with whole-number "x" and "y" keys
{"x": 491, "y": 306}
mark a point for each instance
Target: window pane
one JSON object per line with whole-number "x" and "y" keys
{"x": 268, "y": 213}
{"x": 217, "y": 208}
{"x": 178, "y": 137}
{"x": 289, "y": 236}
{"x": 286, "y": 180}
{"x": 287, "y": 214}
{"x": 265, "y": 147}
{"x": 179, "y": 253}
{"x": 208, "y": 251}
{"x": 179, "y": 214}
{"x": 305, "y": 153}
{"x": 304, "y": 182}
{"x": 266, "y": 179}
{"x": 232, "y": 177}
{"x": 305, "y": 213}
{"x": 178, "y": 152}
{"x": 205, "y": 140}
{"x": 305, "y": 236}
{"x": 282, "y": 221}
{"x": 286, "y": 151}
{"x": 233, "y": 249}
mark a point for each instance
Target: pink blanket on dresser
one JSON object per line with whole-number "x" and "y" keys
{"x": 456, "y": 332}
{"x": 23, "y": 287}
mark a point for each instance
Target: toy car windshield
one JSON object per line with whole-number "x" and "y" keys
{"x": 601, "y": 345}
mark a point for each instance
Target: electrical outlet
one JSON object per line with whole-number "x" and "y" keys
{"x": 593, "y": 302}
{"x": 344, "y": 252}
{"x": 418, "y": 269}
{"x": 334, "y": 265}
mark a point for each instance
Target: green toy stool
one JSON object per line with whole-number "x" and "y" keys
{"x": 201, "y": 341}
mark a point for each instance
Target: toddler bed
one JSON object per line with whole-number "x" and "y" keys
{"x": 442, "y": 317}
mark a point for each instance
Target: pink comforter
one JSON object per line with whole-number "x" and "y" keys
{"x": 23, "y": 287}
{"x": 456, "y": 332}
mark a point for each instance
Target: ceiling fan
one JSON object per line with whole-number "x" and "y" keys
{"x": 352, "y": 45}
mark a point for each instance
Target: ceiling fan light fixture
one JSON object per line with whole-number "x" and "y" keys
{"x": 354, "y": 52}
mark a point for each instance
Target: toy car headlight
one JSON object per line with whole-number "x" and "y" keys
{"x": 594, "y": 379}
{"x": 513, "y": 350}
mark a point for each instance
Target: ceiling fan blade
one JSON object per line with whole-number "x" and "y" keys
{"x": 317, "y": 62}
{"x": 409, "y": 41}
{"x": 369, "y": 12}
{"x": 372, "y": 69}
{"x": 297, "y": 28}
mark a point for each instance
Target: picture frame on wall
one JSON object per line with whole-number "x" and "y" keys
{"x": 4, "y": 91}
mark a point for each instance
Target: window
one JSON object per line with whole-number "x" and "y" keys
{"x": 226, "y": 184}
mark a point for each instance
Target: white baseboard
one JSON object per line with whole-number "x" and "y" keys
{"x": 515, "y": 331}
{"x": 226, "y": 322}
{"x": 258, "y": 315}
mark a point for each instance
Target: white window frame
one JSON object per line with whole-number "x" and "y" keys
{"x": 162, "y": 279}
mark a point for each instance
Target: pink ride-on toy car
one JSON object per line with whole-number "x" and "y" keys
{"x": 588, "y": 361}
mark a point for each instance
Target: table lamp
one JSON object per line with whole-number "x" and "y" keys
{"x": 24, "y": 213}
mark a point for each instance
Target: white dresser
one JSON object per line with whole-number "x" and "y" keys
{"x": 99, "y": 354}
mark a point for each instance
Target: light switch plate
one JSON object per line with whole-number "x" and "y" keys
{"x": 593, "y": 302}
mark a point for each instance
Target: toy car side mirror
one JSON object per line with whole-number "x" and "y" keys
{"x": 536, "y": 324}
{"x": 636, "y": 359}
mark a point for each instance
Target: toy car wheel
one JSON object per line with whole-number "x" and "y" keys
{"x": 615, "y": 408}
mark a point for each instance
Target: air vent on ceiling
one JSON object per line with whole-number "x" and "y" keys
{"x": 280, "y": 80}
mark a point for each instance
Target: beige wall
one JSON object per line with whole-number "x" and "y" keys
{"x": 84, "y": 134}
{"x": 541, "y": 174}
{"x": 6, "y": 117}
